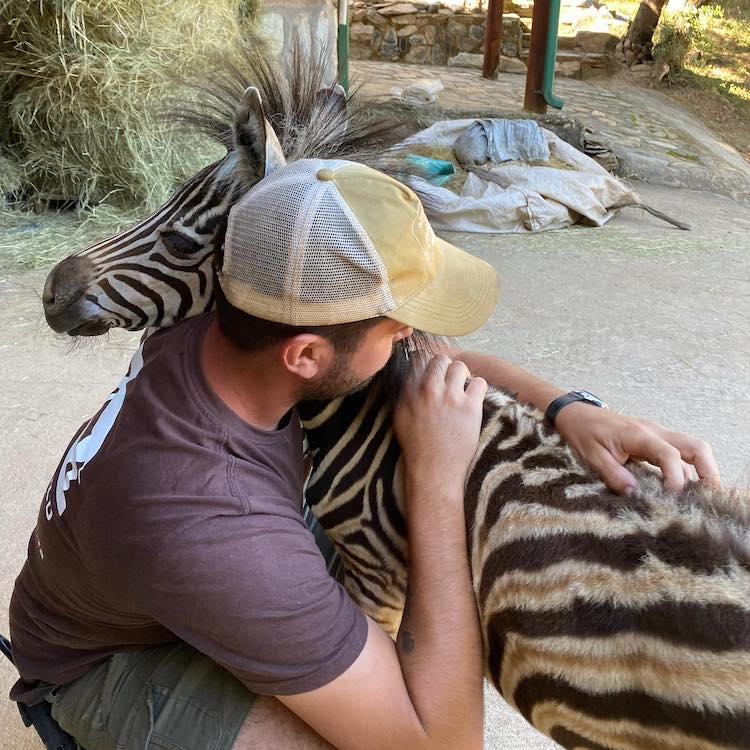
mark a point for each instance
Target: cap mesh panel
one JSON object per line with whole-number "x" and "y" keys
{"x": 293, "y": 236}
{"x": 337, "y": 253}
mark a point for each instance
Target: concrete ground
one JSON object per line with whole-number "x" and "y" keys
{"x": 653, "y": 319}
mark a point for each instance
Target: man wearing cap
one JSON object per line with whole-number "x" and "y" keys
{"x": 173, "y": 596}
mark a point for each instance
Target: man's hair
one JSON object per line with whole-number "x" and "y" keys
{"x": 255, "y": 334}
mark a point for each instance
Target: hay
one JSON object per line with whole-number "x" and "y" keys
{"x": 11, "y": 181}
{"x": 85, "y": 83}
{"x": 33, "y": 241}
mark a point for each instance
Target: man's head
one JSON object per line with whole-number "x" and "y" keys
{"x": 334, "y": 254}
{"x": 328, "y": 361}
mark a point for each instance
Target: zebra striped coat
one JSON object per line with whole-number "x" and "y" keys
{"x": 607, "y": 623}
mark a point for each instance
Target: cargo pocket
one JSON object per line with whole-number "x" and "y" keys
{"x": 176, "y": 722}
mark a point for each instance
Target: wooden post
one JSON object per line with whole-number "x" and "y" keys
{"x": 534, "y": 101}
{"x": 493, "y": 35}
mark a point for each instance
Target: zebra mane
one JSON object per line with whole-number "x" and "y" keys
{"x": 297, "y": 100}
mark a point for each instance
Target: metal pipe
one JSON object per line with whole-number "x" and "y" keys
{"x": 550, "y": 56}
{"x": 343, "y": 45}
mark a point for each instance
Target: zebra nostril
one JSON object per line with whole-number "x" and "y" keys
{"x": 66, "y": 284}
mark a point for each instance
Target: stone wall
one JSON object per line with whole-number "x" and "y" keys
{"x": 421, "y": 32}
{"x": 447, "y": 31}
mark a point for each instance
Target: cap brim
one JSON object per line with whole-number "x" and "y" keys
{"x": 457, "y": 301}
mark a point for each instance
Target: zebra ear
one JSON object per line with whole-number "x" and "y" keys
{"x": 255, "y": 141}
{"x": 333, "y": 98}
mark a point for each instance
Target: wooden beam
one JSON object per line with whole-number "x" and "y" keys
{"x": 534, "y": 100}
{"x": 493, "y": 35}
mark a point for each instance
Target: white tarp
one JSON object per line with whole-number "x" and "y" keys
{"x": 529, "y": 199}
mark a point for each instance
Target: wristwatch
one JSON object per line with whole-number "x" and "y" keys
{"x": 569, "y": 398}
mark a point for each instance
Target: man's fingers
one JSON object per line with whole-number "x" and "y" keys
{"x": 457, "y": 375}
{"x": 649, "y": 446}
{"x": 693, "y": 451}
{"x": 437, "y": 368}
{"x": 476, "y": 388}
{"x": 699, "y": 454}
{"x": 613, "y": 474}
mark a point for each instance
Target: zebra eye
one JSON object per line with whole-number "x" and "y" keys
{"x": 178, "y": 244}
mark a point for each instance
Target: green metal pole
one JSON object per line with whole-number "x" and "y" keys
{"x": 550, "y": 56}
{"x": 343, "y": 45}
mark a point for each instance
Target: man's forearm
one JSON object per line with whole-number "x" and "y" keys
{"x": 525, "y": 386}
{"x": 439, "y": 642}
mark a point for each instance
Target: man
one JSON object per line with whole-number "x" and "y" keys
{"x": 173, "y": 596}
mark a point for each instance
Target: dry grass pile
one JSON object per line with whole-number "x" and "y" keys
{"x": 84, "y": 85}
{"x": 34, "y": 241}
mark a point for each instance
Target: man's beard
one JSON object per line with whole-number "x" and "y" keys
{"x": 336, "y": 383}
{"x": 339, "y": 381}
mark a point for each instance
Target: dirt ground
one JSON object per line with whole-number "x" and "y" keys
{"x": 653, "y": 319}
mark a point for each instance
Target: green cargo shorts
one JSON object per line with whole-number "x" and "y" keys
{"x": 169, "y": 696}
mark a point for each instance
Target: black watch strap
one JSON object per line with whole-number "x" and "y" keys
{"x": 589, "y": 398}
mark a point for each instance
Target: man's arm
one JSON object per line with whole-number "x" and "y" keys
{"x": 603, "y": 439}
{"x": 425, "y": 693}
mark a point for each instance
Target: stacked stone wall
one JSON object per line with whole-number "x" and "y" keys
{"x": 439, "y": 33}
{"x": 423, "y": 33}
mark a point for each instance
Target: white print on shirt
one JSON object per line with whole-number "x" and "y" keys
{"x": 83, "y": 450}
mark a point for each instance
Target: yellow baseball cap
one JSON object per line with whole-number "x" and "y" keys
{"x": 321, "y": 242}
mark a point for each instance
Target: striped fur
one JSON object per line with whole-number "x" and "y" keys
{"x": 608, "y": 623}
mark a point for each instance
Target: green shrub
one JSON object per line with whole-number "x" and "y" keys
{"x": 675, "y": 38}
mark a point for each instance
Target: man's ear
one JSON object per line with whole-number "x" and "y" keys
{"x": 307, "y": 355}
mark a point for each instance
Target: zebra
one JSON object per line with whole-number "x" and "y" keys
{"x": 607, "y": 622}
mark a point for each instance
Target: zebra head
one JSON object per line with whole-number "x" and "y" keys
{"x": 159, "y": 271}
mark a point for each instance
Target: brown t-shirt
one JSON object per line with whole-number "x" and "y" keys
{"x": 169, "y": 518}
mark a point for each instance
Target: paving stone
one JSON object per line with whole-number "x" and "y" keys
{"x": 568, "y": 68}
{"x": 477, "y": 32}
{"x": 438, "y": 56}
{"x": 566, "y": 43}
{"x": 511, "y": 65}
{"x": 374, "y": 17}
{"x": 466, "y": 60}
{"x": 642, "y": 71}
{"x": 359, "y": 32}
{"x": 418, "y": 54}
{"x": 389, "y": 46}
{"x": 599, "y": 42}
{"x": 397, "y": 9}
{"x": 408, "y": 19}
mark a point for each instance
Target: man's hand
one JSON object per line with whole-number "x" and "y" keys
{"x": 437, "y": 420}
{"x": 604, "y": 440}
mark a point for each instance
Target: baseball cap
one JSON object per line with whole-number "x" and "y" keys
{"x": 321, "y": 242}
